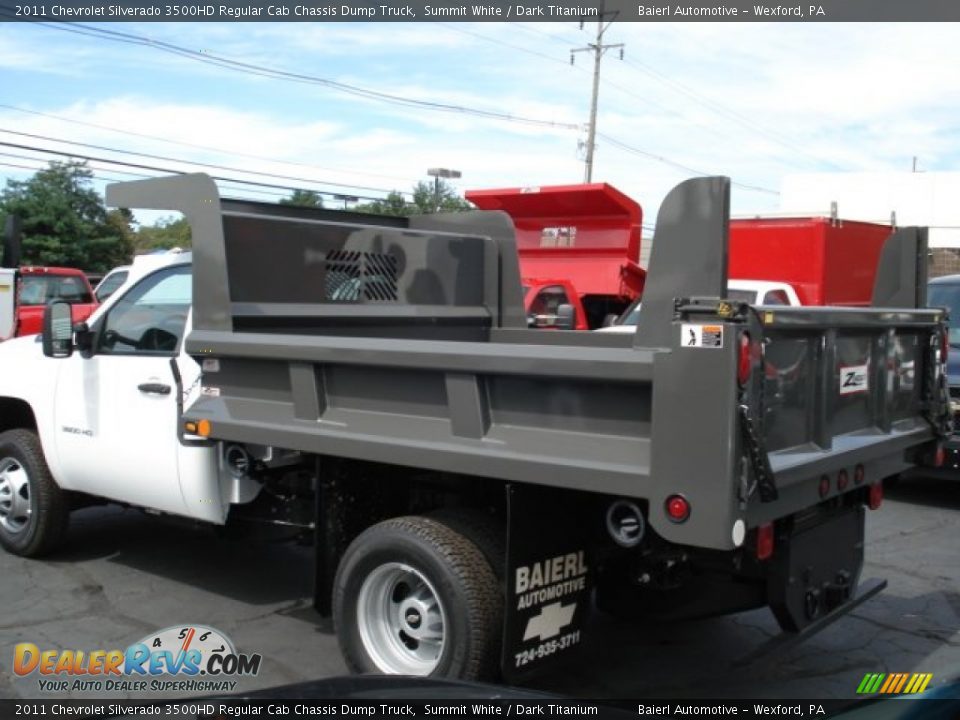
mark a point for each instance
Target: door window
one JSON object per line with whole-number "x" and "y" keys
{"x": 150, "y": 318}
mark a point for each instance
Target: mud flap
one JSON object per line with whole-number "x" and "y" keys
{"x": 549, "y": 577}
{"x": 816, "y": 569}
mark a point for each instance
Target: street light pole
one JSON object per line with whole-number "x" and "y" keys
{"x": 436, "y": 174}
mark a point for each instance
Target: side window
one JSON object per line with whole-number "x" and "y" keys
{"x": 109, "y": 286}
{"x": 776, "y": 297}
{"x": 150, "y": 318}
{"x": 32, "y": 290}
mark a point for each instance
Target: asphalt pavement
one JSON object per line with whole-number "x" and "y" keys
{"x": 125, "y": 575}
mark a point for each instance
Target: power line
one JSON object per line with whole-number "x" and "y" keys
{"x": 687, "y": 168}
{"x": 250, "y": 68}
{"x": 194, "y": 145}
{"x": 128, "y": 173}
{"x": 192, "y": 162}
{"x": 730, "y": 114}
{"x": 64, "y": 153}
{"x": 209, "y": 58}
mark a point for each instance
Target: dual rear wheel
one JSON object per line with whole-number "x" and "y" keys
{"x": 415, "y": 596}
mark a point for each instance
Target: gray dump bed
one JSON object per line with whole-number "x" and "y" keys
{"x": 404, "y": 341}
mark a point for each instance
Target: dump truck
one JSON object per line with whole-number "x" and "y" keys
{"x": 579, "y": 245}
{"x": 469, "y": 485}
{"x": 825, "y": 259}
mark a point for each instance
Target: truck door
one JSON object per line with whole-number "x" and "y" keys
{"x": 116, "y": 410}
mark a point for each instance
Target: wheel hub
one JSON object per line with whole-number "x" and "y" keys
{"x": 15, "y": 502}
{"x": 401, "y": 620}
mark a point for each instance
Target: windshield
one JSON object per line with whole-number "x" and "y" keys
{"x": 948, "y": 296}
{"x": 631, "y": 316}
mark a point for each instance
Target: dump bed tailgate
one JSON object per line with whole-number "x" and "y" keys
{"x": 839, "y": 395}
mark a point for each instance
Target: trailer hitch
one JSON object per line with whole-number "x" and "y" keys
{"x": 787, "y": 639}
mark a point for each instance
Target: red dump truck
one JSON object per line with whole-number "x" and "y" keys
{"x": 826, "y": 260}
{"x": 578, "y": 245}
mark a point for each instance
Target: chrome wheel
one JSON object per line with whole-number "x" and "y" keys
{"x": 15, "y": 505}
{"x": 401, "y": 620}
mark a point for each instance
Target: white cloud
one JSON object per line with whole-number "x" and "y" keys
{"x": 749, "y": 100}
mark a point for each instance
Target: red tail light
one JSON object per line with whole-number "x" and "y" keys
{"x": 940, "y": 456}
{"x": 876, "y": 496}
{"x": 859, "y": 474}
{"x": 843, "y": 479}
{"x": 765, "y": 541}
{"x": 744, "y": 359}
{"x": 678, "y": 509}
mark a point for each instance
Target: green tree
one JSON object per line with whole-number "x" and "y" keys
{"x": 392, "y": 204}
{"x": 165, "y": 233}
{"x": 65, "y": 221}
{"x": 425, "y": 201}
{"x": 304, "y": 198}
{"x": 430, "y": 197}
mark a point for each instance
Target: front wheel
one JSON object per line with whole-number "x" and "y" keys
{"x": 412, "y": 596}
{"x": 33, "y": 509}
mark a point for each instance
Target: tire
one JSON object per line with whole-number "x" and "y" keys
{"x": 33, "y": 509}
{"x": 413, "y": 596}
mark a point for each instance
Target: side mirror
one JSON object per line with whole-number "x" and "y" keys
{"x": 57, "y": 330}
{"x": 566, "y": 317}
{"x": 609, "y": 319}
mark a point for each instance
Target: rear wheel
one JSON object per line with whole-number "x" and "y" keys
{"x": 413, "y": 596}
{"x": 33, "y": 509}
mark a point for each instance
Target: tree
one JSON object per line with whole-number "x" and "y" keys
{"x": 64, "y": 220}
{"x": 439, "y": 196}
{"x": 165, "y": 233}
{"x": 392, "y": 204}
{"x": 425, "y": 197}
{"x": 304, "y": 198}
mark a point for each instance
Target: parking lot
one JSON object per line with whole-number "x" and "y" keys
{"x": 126, "y": 574}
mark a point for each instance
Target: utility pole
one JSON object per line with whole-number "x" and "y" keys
{"x": 598, "y": 49}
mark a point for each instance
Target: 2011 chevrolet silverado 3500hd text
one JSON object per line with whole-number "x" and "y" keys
{"x": 467, "y": 482}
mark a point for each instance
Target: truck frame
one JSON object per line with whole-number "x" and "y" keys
{"x": 467, "y": 482}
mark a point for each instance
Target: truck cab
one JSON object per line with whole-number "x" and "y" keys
{"x": 126, "y": 381}
{"x": 25, "y": 292}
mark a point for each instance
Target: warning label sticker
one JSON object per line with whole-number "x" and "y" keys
{"x": 701, "y": 336}
{"x": 854, "y": 379}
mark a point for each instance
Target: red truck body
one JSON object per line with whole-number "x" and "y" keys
{"x": 38, "y": 285}
{"x": 578, "y": 244}
{"x": 827, "y": 261}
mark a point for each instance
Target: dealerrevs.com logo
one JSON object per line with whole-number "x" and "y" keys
{"x": 183, "y": 658}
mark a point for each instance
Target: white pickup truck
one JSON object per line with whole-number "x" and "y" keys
{"x": 754, "y": 292}
{"x": 84, "y": 420}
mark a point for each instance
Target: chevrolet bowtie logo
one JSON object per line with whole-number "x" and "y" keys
{"x": 551, "y": 619}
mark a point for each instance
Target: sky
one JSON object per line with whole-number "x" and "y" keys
{"x": 748, "y": 100}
